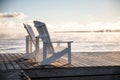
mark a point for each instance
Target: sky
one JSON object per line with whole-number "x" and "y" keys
{"x": 59, "y": 15}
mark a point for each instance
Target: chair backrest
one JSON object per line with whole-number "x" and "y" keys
{"x": 30, "y": 33}
{"x": 43, "y": 32}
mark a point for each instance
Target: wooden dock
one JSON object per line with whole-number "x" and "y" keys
{"x": 85, "y": 66}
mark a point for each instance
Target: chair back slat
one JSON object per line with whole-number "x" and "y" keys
{"x": 42, "y": 30}
{"x": 30, "y": 32}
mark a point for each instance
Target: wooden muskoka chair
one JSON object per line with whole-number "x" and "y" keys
{"x": 48, "y": 47}
{"x": 31, "y": 41}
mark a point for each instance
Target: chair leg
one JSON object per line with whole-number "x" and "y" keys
{"x": 27, "y": 45}
{"x": 28, "y": 48}
{"x": 69, "y": 53}
{"x": 44, "y": 51}
{"x": 37, "y": 50}
{"x": 69, "y": 57}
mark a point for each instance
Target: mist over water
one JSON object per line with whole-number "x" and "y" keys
{"x": 106, "y": 41}
{"x": 83, "y": 42}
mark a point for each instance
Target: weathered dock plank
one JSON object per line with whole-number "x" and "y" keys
{"x": 74, "y": 72}
{"x": 85, "y": 66}
{"x": 7, "y": 62}
{"x": 2, "y": 64}
{"x": 96, "y": 59}
{"x": 10, "y": 75}
{"x": 107, "y": 77}
{"x": 28, "y": 63}
{"x": 18, "y": 61}
{"x": 12, "y": 61}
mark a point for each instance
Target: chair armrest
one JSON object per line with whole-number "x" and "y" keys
{"x": 68, "y": 43}
{"x": 62, "y": 41}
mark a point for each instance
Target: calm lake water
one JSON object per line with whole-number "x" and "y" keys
{"x": 83, "y": 42}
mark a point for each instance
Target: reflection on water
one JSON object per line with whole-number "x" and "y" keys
{"x": 12, "y": 45}
{"x": 108, "y": 41}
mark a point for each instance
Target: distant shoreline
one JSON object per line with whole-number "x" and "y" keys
{"x": 87, "y": 31}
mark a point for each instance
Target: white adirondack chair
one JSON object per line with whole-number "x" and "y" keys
{"x": 48, "y": 47}
{"x": 31, "y": 40}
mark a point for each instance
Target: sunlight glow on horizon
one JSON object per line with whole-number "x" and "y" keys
{"x": 16, "y": 29}
{"x": 59, "y": 15}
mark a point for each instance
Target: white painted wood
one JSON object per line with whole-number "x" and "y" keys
{"x": 62, "y": 41}
{"x": 42, "y": 30}
{"x": 69, "y": 52}
{"x": 30, "y": 46}
{"x": 44, "y": 51}
{"x": 37, "y": 54}
{"x": 54, "y": 57}
{"x": 48, "y": 47}
{"x": 30, "y": 32}
{"x": 31, "y": 39}
{"x": 27, "y": 45}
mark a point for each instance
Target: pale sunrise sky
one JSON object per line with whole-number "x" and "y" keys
{"x": 59, "y": 15}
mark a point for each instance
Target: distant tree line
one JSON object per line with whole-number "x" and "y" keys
{"x": 105, "y": 30}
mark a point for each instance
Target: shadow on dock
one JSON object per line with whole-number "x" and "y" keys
{"x": 85, "y": 66}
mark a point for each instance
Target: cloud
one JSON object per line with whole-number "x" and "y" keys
{"x": 13, "y": 15}
{"x": 11, "y": 29}
{"x": 21, "y": 16}
{"x": 11, "y": 25}
{"x": 14, "y": 29}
